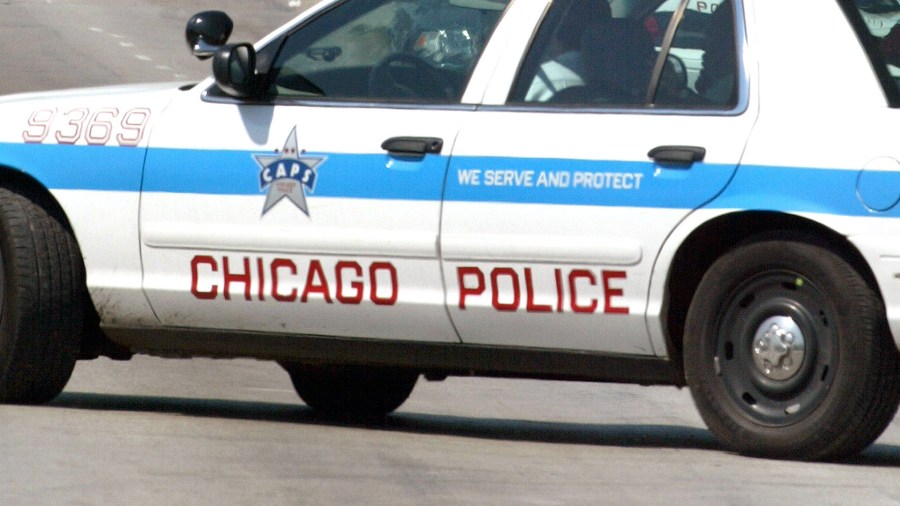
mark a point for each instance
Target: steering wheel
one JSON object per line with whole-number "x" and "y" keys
{"x": 404, "y": 76}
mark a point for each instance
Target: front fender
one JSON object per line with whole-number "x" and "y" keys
{"x": 87, "y": 148}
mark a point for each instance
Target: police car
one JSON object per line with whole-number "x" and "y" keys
{"x": 383, "y": 190}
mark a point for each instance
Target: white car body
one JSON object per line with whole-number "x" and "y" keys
{"x": 541, "y": 231}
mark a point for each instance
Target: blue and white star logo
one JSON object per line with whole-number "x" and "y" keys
{"x": 288, "y": 175}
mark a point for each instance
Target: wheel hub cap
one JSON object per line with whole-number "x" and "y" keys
{"x": 779, "y": 348}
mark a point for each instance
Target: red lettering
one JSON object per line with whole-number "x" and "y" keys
{"x": 573, "y": 293}
{"x": 282, "y": 263}
{"x": 321, "y": 287}
{"x": 559, "y": 290}
{"x": 383, "y": 289}
{"x": 373, "y": 278}
{"x": 610, "y": 292}
{"x": 357, "y": 285}
{"x": 472, "y": 283}
{"x": 261, "y": 274}
{"x": 229, "y": 278}
{"x": 530, "y": 306}
{"x": 495, "y": 289}
{"x": 465, "y": 291}
{"x": 195, "y": 277}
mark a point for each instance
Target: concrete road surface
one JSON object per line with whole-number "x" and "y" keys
{"x": 154, "y": 431}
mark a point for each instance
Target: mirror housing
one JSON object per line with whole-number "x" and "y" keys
{"x": 234, "y": 67}
{"x": 206, "y": 32}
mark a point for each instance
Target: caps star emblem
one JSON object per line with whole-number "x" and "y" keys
{"x": 287, "y": 174}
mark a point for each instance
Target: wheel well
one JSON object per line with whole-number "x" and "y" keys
{"x": 93, "y": 343}
{"x": 708, "y": 242}
{"x": 25, "y": 185}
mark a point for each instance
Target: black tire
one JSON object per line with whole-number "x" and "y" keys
{"x": 355, "y": 392}
{"x": 43, "y": 297}
{"x": 788, "y": 354}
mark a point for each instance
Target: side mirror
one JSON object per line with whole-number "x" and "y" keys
{"x": 234, "y": 68}
{"x": 206, "y": 32}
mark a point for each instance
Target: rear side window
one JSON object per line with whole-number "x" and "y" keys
{"x": 877, "y": 23}
{"x": 676, "y": 54}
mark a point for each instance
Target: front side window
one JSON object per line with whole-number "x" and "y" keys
{"x": 877, "y": 23}
{"x": 591, "y": 52}
{"x": 386, "y": 50}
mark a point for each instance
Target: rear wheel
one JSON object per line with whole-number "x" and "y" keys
{"x": 41, "y": 300}
{"x": 357, "y": 392}
{"x": 788, "y": 355}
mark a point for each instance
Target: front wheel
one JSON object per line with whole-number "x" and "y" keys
{"x": 788, "y": 355}
{"x": 356, "y": 392}
{"x": 42, "y": 299}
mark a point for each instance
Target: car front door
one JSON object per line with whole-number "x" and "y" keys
{"x": 562, "y": 191}
{"x": 314, "y": 208}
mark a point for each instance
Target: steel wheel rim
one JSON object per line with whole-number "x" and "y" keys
{"x": 772, "y": 305}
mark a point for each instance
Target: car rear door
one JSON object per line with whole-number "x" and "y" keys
{"x": 558, "y": 202}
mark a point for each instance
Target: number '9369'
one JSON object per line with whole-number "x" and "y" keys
{"x": 97, "y": 127}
